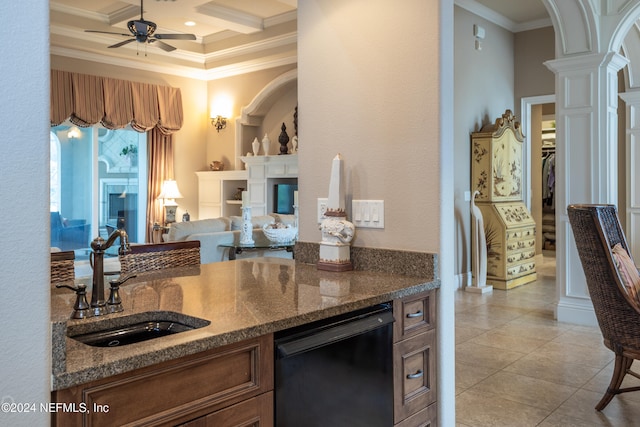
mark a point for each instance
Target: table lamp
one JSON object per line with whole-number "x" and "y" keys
{"x": 168, "y": 194}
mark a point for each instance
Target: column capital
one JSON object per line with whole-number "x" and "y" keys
{"x": 614, "y": 61}
{"x": 630, "y": 96}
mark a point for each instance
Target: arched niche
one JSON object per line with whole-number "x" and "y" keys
{"x": 271, "y": 107}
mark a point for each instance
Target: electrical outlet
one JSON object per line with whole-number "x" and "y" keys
{"x": 322, "y": 208}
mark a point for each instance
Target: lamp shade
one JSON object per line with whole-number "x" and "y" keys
{"x": 170, "y": 190}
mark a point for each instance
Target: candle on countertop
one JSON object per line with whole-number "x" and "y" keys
{"x": 335, "y": 201}
{"x": 295, "y": 198}
{"x": 245, "y": 199}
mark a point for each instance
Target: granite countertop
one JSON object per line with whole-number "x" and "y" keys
{"x": 241, "y": 299}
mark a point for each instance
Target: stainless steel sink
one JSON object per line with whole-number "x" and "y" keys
{"x": 134, "y": 329}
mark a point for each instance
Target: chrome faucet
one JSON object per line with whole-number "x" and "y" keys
{"x": 99, "y": 245}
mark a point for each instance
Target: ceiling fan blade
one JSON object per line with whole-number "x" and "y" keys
{"x": 162, "y": 45}
{"x": 107, "y": 32}
{"x": 175, "y": 36}
{"x": 122, "y": 43}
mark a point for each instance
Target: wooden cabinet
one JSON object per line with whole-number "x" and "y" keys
{"x": 216, "y": 191}
{"x": 226, "y": 386}
{"x": 414, "y": 359}
{"x": 511, "y": 244}
{"x": 496, "y": 174}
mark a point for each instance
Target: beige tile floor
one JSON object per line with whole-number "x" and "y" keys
{"x": 517, "y": 366}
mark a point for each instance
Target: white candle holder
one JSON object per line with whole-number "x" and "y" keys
{"x": 246, "y": 232}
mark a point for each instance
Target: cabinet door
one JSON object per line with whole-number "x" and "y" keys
{"x": 190, "y": 387}
{"x": 414, "y": 374}
{"x": 254, "y": 412}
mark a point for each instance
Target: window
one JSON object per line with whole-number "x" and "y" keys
{"x": 98, "y": 184}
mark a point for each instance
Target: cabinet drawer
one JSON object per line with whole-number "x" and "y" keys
{"x": 517, "y": 245}
{"x": 414, "y": 314}
{"x": 517, "y": 257}
{"x": 254, "y": 412}
{"x": 414, "y": 374}
{"x": 428, "y": 417}
{"x": 175, "y": 391}
{"x": 521, "y": 269}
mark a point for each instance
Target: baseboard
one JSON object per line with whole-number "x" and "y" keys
{"x": 463, "y": 280}
{"x": 578, "y": 314}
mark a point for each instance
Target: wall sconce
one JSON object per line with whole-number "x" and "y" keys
{"x": 219, "y": 122}
{"x": 169, "y": 193}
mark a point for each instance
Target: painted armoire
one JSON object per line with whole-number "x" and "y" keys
{"x": 496, "y": 173}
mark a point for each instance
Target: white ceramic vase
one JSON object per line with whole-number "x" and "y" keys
{"x": 266, "y": 142}
{"x": 255, "y": 145}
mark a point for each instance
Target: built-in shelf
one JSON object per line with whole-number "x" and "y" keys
{"x": 216, "y": 191}
{"x": 265, "y": 172}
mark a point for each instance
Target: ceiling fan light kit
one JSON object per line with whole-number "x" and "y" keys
{"x": 144, "y": 32}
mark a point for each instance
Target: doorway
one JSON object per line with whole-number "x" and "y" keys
{"x": 538, "y": 121}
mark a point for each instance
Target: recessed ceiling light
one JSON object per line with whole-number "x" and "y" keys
{"x": 190, "y": 24}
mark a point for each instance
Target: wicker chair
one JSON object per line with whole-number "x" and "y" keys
{"x": 142, "y": 258}
{"x": 597, "y": 229}
{"x": 62, "y": 267}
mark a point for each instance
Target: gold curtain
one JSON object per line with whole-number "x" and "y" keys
{"x": 160, "y": 157}
{"x": 87, "y": 100}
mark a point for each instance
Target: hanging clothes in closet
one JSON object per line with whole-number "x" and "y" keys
{"x": 548, "y": 179}
{"x": 548, "y": 198}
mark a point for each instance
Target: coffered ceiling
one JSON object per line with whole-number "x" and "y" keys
{"x": 232, "y": 36}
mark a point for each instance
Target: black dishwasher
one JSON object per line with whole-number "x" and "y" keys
{"x": 336, "y": 372}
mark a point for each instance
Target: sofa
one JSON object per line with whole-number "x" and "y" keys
{"x": 69, "y": 234}
{"x": 214, "y": 232}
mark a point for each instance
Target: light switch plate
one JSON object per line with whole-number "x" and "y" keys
{"x": 367, "y": 213}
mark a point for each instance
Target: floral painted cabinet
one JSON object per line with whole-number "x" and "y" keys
{"x": 496, "y": 173}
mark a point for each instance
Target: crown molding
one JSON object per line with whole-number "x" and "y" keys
{"x": 236, "y": 20}
{"x": 171, "y": 69}
{"x": 69, "y": 10}
{"x": 179, "y": 70}
{"x": 500, "y": 20}
{"x": 249, "y": 48}
{"x": 250, "y": 66}
{"x": 534, "y": 25}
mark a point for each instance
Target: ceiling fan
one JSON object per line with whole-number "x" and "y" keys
{"x": 144, "y": 32}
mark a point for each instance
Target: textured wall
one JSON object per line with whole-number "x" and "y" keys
{"x": 24, "y": 172}
{"x": 368, "y": 89}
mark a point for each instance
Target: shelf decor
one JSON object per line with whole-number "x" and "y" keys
{"x": 337, "y": 232}
{"x": 283, "y": 139}
{"x": 246, "y": 232}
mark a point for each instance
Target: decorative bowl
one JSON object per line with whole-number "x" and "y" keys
{"x": 279, "y": 233}
{"x": 216, "y": 165}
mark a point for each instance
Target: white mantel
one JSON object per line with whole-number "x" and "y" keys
{"x": 263, "y": 173}
{"x": 216, "y": 190}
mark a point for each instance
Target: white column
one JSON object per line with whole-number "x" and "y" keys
{"x": 586, "y": 162}
{"x": 632, "y": 156}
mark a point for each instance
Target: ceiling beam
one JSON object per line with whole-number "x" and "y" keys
{"x": 230, "y": 19}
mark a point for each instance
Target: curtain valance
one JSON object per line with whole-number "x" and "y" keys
{"x": 86, "y": 100}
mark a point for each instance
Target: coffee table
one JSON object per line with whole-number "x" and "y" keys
{"x": 235, "y": 249}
